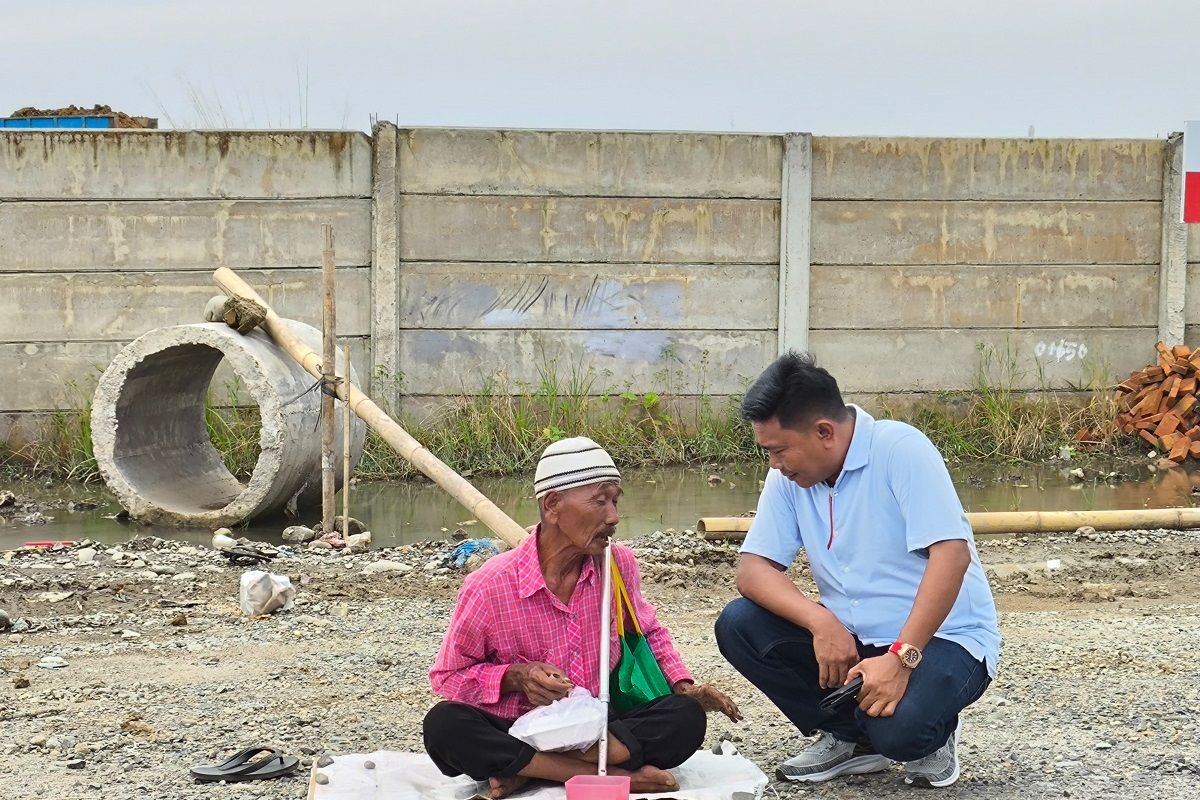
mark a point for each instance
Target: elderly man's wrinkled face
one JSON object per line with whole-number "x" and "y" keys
{"x": 586, "y": 516}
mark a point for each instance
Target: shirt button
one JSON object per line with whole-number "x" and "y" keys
{"x": 855, "y": 604}
{"x": 845, "y": 569}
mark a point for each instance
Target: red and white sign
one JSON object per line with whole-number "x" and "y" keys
{"x": 1191, "y": 172}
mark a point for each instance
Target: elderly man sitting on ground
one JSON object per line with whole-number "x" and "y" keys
{"x": 526, "y": 630}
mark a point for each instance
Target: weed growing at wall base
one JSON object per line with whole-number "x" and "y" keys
{"x": 997, "y": 421}
{"x": 503, "y": 429}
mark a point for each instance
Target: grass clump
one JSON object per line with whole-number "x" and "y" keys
{"x": 503, "y": 429}
{"x": 996, "y": 421}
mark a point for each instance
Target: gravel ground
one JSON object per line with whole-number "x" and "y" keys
{"x": 1098, "y": 694}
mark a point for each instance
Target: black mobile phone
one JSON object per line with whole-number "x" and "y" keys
{"x": 834, "y": 701}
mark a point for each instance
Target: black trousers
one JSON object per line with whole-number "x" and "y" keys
{"x": 463, "y": 740}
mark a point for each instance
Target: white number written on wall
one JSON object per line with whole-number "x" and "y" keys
{"x": 1062, "y": 350}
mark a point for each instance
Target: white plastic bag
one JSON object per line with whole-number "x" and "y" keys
{"x": 572, "y": 723}
{"x": 265, "y": 593}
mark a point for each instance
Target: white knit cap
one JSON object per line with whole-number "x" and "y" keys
{"x": 573, "y": 462}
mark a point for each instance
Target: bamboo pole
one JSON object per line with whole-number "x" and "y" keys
{"x": 328, "y": 373}
{"x": 990, "y": 522}
{"x": 456, "y": 485}
{"x": 346, "y": 445}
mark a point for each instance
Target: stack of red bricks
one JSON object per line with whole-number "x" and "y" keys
{"x": 1159, "y": 403}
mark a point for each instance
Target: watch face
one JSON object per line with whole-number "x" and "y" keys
{"x": 911, "y": 657}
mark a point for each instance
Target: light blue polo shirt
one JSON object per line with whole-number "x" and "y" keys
{"x": 892, "y": 500}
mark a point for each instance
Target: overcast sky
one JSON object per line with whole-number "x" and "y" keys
{"x": 1087, "y": 68}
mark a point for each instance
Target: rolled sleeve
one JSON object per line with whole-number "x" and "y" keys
{"x": 925, "y": 494}
{"x": 775, "y": 533}
{"x": 657, "y": 635}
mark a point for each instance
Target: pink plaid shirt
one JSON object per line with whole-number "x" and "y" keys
{"x": 506, "y": 615}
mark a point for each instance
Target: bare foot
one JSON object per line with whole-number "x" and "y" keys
{"x": 652, "y": 779}
{"x": 503, "y": 787}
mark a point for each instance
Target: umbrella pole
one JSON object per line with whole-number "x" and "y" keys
{"x": 605, "y": 644}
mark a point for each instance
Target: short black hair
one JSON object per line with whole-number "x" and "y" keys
{"x": 794, "y": 390}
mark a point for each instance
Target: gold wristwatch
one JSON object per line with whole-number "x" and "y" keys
{"x": 909, "y": 656}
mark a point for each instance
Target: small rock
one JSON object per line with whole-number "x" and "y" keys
{"x": 1076, "y": 474}
{"x": 324, "y": 761}
{"x": 54, "y": 597}
{"x": 369, "y": 764}
{"x": 356, "y": 526}
{"x": 340, "y": 610}
{"x": 179, "y": 619}
{"x": 1142, "y": 540}
{"x": 85, "y": 556}
{"x": 1103, "y": 746}
{"x": 51, "y": 662}
{"x": 299, "y": 534}
{"x": 715, "y": 480}
{"x": 138, "y": 564}
{"x": 376, "y": 567}
{"x": 39, "y": 740}
{"x": 5, "y": 620}
{"x": 1086, "y": 530}
{"x": 322, "y": 779}
{"x": 184, "y": 576}
{"x": 76, "y": 763}
{"x": 7, "y": 498}
{"x": 20, "y": 682}
{"x": 164, "y": 569}
{"x": 127, "y": 634}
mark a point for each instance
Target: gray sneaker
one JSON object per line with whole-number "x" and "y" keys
{"x": 939, "y": 768}
{"x": 829, "y": 757}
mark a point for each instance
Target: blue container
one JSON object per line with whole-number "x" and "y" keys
{"x": 57, "y": 122}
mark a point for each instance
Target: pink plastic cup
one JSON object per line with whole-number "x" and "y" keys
{"x": 598, "y": 787}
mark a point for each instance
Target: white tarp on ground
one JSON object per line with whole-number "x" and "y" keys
{"x": 412, "y": 776}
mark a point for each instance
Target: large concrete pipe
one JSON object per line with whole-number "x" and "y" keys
{"x": 152, "y": 445}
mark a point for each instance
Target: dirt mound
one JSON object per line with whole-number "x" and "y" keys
{"x": 121, "y": 119}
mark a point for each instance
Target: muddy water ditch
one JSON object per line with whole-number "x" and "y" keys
{"x": 654, "y": 499}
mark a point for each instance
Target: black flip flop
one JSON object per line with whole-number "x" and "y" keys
{"x": 239, "y": 767}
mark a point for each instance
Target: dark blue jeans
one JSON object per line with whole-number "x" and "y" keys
{"x": 777, "y": 657}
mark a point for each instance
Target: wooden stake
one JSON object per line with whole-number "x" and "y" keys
{"x": 365, "y": 409}
{"x": 328, "y": 373}
{"x": 346, "y": 444}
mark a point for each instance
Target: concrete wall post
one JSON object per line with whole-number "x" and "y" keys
{"x": 385, "y": 268}
{"x": 1172, "y": 273}
{"x": 795, "y": 237}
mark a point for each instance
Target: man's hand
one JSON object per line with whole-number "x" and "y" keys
{"x": 541, "y": 683}
{"x": 835, "y": 651}
{"x": 710, "y": 697}
{"x": 885, "y": 680}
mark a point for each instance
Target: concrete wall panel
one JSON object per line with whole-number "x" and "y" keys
{"x": 457, "y": 228}
{"x": 588, "y": 296}
{"x": 120, "y": 306}
{"x": 61, "y": 375}
{"x": 887, "y": 232}
{"x": 178, "y": 165}
{"x": 71, "y": 237}
{"x": 873, "y": 168}
{"x": 590, "y": 163}
{"x": 450, "y": 362}
{"x": 947, "y": 359}
{"x": 977, "y": 296}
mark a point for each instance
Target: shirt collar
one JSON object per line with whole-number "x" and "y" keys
{"x": 860, "y": 443}
{"x": 529, "y": 569}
